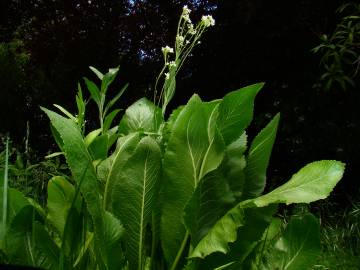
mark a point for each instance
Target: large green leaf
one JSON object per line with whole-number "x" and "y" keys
{"x": 134, "y": 196}
{"x": 298, "y": 247}
{"x": 233, "y": 165}
{"x": 114, "y": 231}
{"x": 236, "y": 111}
{"x": 99, "y": 147}
{"x": 60, "y": 197}
{"x": 195, "y": 147}
{"x": 143, "y": 115}
{"x": 210, "y": 201}
{"x": 125, "y": 147}
{"x": 222, "y": 233}
{"x": 258, "y": 159}
{"x": 313, "y": 182}
{"x": 248, "y": 236}
{"x": 20, "y": 241}
{"x": 46, "y": 245}
{"x": 16, "y": 201}
{"x": 80, "y": 163}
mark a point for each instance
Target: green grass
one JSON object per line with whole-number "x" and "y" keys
{"x": 340, "y": 237}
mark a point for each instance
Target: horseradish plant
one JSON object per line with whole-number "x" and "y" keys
{"x": 184, "y": 192}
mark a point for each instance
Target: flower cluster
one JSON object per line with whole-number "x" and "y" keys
{"x": 187, "y": 37}
{"x": 208, "y": 20}
{"x": 167, "y": 50}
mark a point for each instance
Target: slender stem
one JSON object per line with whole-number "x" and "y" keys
{"x": 153, "y": 240}
{"x": 5, "y": 194}
{"x": 180, "y": 252}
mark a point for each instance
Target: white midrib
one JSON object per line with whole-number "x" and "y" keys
{"x": 142, "y": 214}
{"x": 191, "y": 155}
{"x": 28, "y": 243}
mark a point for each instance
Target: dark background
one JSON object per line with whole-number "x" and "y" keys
{"x": 47, "y": 46}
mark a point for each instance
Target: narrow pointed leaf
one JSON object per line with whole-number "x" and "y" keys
{"x": 108, "y": 78}
{"x": 258, "y": 159}
{"x": 134, "y": 197}
{"x": 80, "y": 163}
{"x": 116, "y": 98}
{"x": 64, "y": 111}
{"x": 94, "y": 90}
{"x": 109, "y": 119}
{"x": 236, "y": 111}
{"x": 97, "y": 72}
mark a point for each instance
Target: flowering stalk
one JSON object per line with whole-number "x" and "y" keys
{"x": 187, "y": 37}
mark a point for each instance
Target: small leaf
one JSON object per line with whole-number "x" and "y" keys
{"x": 55, "y": 154}
{"x": 91, "y": 136}
{"x": 94, "y": 91}
{"x": 108, "y": 79}
{"x": 64, "y": 111}
{"x": 109, "y": 119}
{"x": 113, "y": 101}
{"x": 97, "y": 72}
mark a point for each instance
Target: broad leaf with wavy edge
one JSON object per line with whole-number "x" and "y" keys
{"x": 195, "y": 147}
{"x": 313, "y": 182}
{"x": 143, "y": 115}
{"x": 258, "y": 159}
{"x": 134, "y": 196}
{"x": 83, "y": 171}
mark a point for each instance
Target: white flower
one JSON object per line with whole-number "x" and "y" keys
{"x": 187, "y": 42}
{"x": 167, "y": 76}
{"x": 208, "y": 20}
{"x": 191, "y": 30}
{"x": 167, "y": 50}
{"x": 186, "y": 18}
{"x": 172, "y": 64}
{"x": 186, "y": 10}
{"x": 179, "y": 39}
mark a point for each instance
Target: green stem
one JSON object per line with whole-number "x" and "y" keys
{"x": 5, "y": 195}
{"x": 180, "y": 252}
